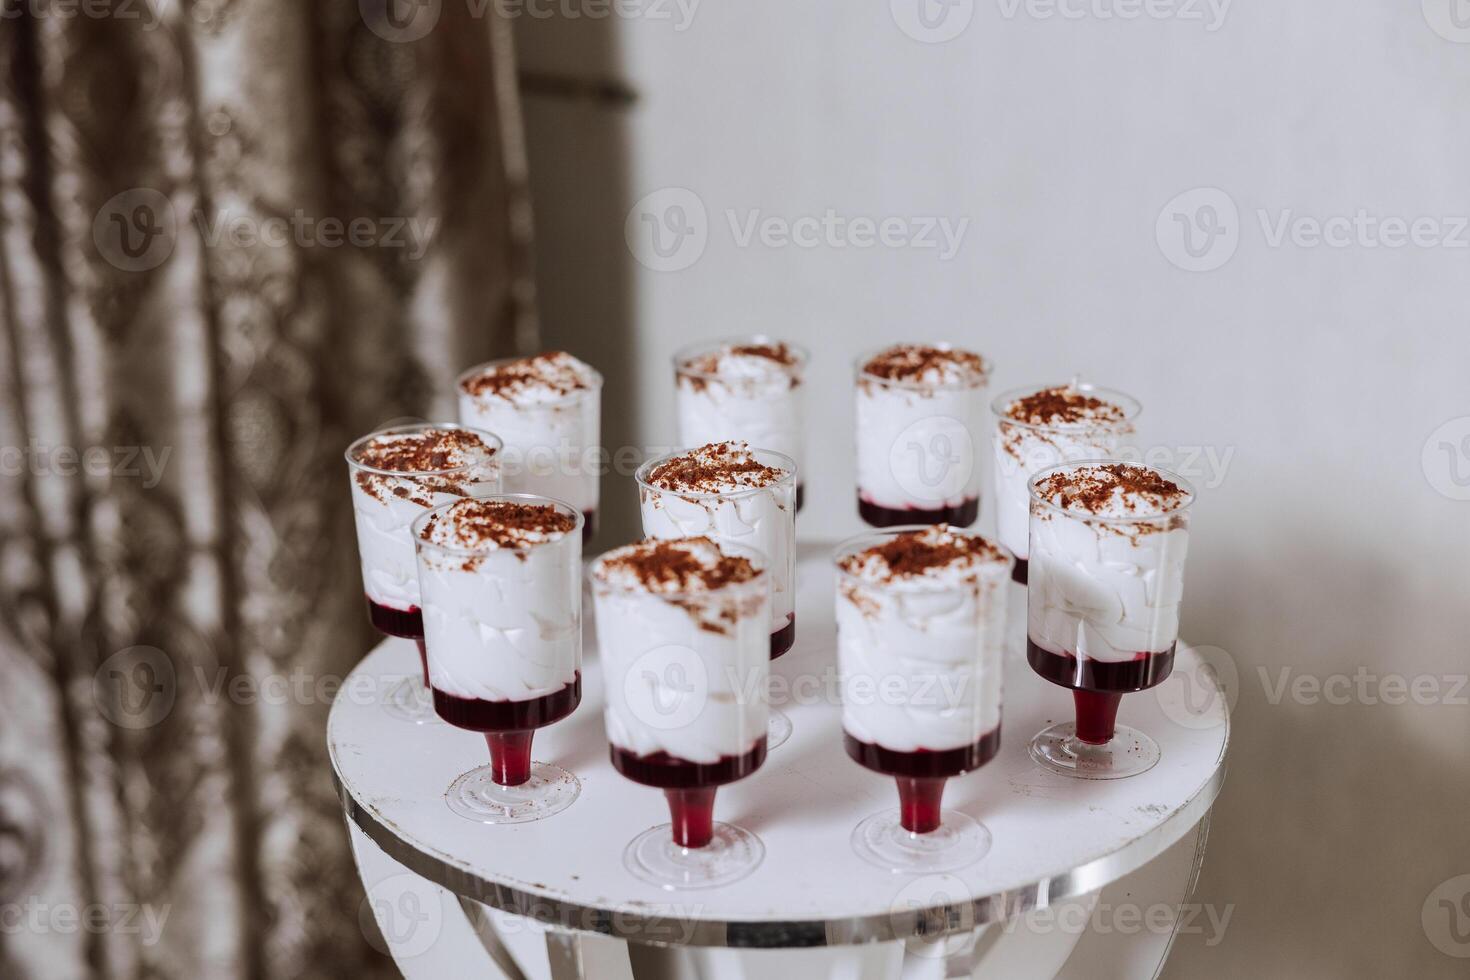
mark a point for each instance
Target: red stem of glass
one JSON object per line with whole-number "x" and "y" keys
{"x": 693, "y": 815}
{"x": 1097, "y": 716}
{"x": 423, "y": 659}
{"x": 919, "y": 803}
{"x": 510, "y": 757}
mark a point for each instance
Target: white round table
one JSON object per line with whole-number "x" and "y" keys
{"x": 1055, "y": 838}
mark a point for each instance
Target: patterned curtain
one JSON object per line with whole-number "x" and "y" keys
{"x": 233, "y": 235}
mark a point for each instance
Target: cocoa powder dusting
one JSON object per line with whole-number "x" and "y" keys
{"x": 698, "y": 372}
{"x": 673, "y": 566}
{"x": 911, "y": 554}
{"x": 713, "y": 468}
{"x": 911, "y": 362}
{"x": 780, "y": 353}
{"x": 557, "y": 370}
{"x": 1063, "y": 406}
{"x": 688, "y": 573}
{"x": 473, "y": 524}
{"x": 1094, "y": 489}
{"x": 423, "y": 457}
{"x": 426, "y": 451}
{"x": 864, "y": 603}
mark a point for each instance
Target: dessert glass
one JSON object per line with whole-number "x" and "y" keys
{"x": 920, "y": 661}
{"x": 747, "y": 388}
{"x": 1023, "y": 449}
{"x": 503, "y": 630}
{"x": 385, "y": 503}
{"x": 686, "y": 679}
{"x": 760, "y": 518}
{"x": 917, "y": 445}
{"x": 1103, "y": 612}
{"x": 551, "y": 438}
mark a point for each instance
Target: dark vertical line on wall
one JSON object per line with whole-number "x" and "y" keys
{"x": 27, "y": 81}
{"x": 60, "y": 665}
{"x": 239, "y": 725}
{"x": 515, "y": 171}
{"x": 340, "y": 402}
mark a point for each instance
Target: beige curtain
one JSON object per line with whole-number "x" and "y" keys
{"x": 233, "y": 235}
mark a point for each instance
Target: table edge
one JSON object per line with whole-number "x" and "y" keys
{"x": 927, "y": 923}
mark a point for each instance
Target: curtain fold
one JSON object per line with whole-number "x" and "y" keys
{"x": 231, "y": 239}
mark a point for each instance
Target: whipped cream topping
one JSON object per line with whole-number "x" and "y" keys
{"x": 938, "y": 555}
{"x": 488, "y": 525}
{"x": 723, "y": 493}
{"x": 720, "y": 467}
{"x": 674, "y": 567}
{"x": 1041, "y": 429}
{"x": 1063, "y": 407}
{"x": 1107, "y": 570}
{"x": 920, "y": 640}
{"x": 1113, "y": 490}
{"x": 917, "y": 445}
{"x": 548, "y": 412}
{"x": 385, "y": 504}
{"x": 504, "y": 624}
{"x": 653, "y": 711}
{"x": 924, "y": 365}
{"x": 445, "y": 461}
{"x": 548, "y": 377}
{"x": 423, "y": 450}
{"x": 685, "y": 674}
{"x": 754, "y": 365}
{"x": 751, "y": 391}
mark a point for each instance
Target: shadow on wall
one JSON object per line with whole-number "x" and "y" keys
{"x": 1329, "y": 752}
{"x": 577, "y": 134}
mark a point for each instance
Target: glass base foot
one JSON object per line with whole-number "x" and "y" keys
{"x": 410, "y": 701}
{"x": 1059, "y": 750}
{"x": 476, "y": 796}
{"x": 778, "y": 729}
{"x": 731, "y": 854}
{"x": 960, "y": 841}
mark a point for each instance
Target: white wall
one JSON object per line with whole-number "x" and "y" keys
{"x": 1321, "y": 372}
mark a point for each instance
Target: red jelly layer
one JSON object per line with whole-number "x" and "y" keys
{"x": 665, "y": 771}
{"x": 876, "y": 515}
{"x": 923, "y": 764}
{"x": 407, "y": 623}
{"x": 784, "y": 638}
{"x": 509, "y": 716}
{"x": 1098, "y": 685}
{"x": 688, "y": 786}
{"x": 1145, "y": 670}
{"x": 921, "y": 775}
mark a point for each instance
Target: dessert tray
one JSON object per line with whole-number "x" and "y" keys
{"x": 1054, "y": 837}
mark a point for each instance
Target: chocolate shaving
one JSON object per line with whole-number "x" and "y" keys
{"x": 680, "y": 570}
{"x": 425, "y": 451}
{"x": 557, "y": 370}
{"x": 865, "y": 604}
{"x": 1063, "y": 406}
{"x": 911, "y": 554}
{"x": 780, "y": 353}
{"x": 673, "y": 566}
{"x": 699, "y": 371}
{"x": 419, "y": 456}
{"x": 911, "y": 362}
{"x": 1093, "y": 489}
{"x": 714, "y": 468}
{"x": 474, "y": 524}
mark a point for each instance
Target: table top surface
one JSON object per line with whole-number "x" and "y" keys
{"x": 1053, "y": 836}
